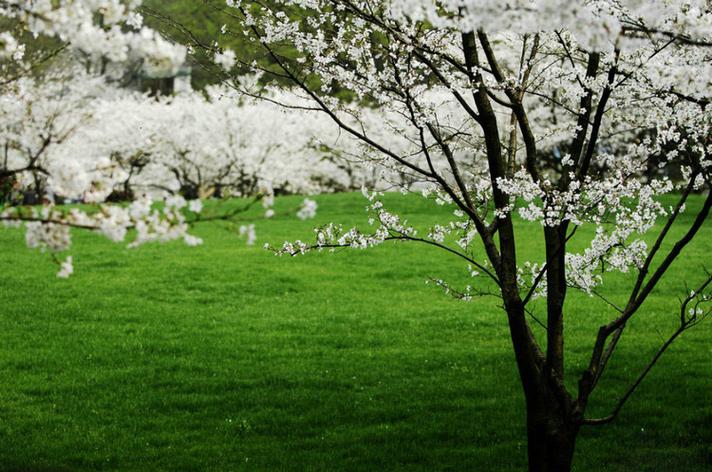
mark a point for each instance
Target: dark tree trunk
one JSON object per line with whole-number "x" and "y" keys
{"x": 551, "y": 436}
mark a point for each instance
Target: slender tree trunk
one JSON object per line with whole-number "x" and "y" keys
{"x": 551, "y": 435}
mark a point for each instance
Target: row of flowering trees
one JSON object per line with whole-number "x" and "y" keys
{"x": 73, "y": 136}
{"x": 77, "y": 136}
{"x": 218, "y": 143}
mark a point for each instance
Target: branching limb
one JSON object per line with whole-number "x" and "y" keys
{"x": 691, "y": 314}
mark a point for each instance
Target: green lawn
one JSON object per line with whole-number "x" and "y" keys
{"x": 225, "y": 357}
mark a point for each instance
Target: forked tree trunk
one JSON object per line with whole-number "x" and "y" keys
{"x": 551, "y": 436}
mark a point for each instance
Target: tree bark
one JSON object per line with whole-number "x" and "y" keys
{"x": 551, "y": 435}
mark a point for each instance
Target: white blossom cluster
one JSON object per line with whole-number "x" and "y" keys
{"x": 388, "y": 226}
{"x": 48, "y": 227}
{"x": 308, "y": 209}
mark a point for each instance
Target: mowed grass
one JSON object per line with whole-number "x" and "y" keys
{"x": 225, "y": 357}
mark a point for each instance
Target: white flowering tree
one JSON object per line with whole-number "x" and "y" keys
{"x": 547, "y": 109}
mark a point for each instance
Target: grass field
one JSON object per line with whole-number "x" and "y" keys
{"x": 225, "y": 357}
